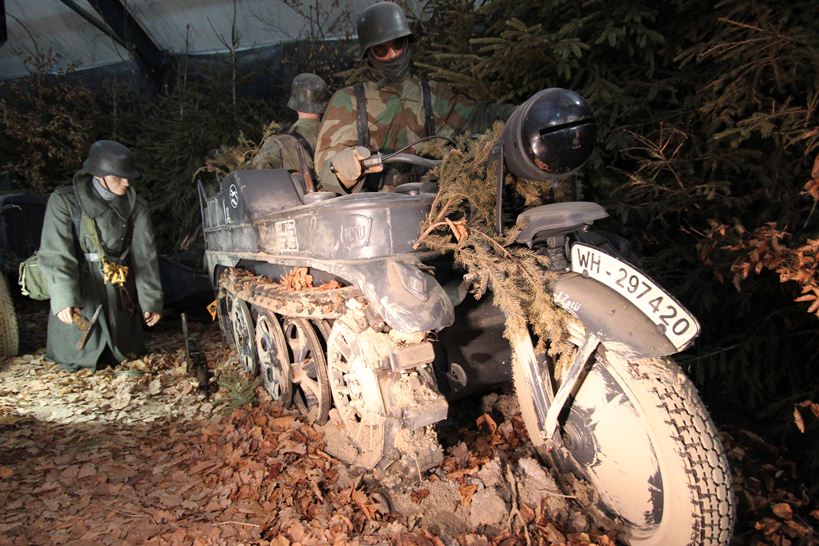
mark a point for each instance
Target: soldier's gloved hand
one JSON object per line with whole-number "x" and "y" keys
{"x": 347, "y": 164}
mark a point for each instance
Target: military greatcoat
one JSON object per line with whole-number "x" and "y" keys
{"x": 280, "y": 151}
{"x": 395, "y": 116}
{"x": 75, "y": 279}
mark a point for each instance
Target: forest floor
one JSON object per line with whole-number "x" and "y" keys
{"x": 136, "y": 455}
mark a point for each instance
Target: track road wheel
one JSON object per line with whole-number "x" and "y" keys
{"x": 274, "y": 362}
{"x": 308, "y": 370}
{"x": 244, "y": 336}
{"x": 387, "y": 414}
{"x": 639, "y": 435}
{"x": 9, "y": 334}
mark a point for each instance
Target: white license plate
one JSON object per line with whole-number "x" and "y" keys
{"x": 671, "y": 318}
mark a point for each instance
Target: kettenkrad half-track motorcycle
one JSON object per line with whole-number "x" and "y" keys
{"x": 365, "y": 346}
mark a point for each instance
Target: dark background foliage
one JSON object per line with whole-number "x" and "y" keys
{"x": 708, "y": 130}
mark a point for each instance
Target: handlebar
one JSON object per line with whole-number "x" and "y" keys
{"x": 378, "y": 159}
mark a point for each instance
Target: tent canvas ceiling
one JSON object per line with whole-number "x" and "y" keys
{"x": 175, "y": 26}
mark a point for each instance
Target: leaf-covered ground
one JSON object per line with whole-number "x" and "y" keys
{"x": 136, "y": 455}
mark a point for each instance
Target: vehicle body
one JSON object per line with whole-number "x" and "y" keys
{"x": 21, "y": 220}
{"x": 393, "y": 331}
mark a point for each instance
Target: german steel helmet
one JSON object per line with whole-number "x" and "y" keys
{"x": 381, "y": 23}
{"x": 308, "y": 93}
{"x": 550, "y": 135}
{"x": 107, "y": 157}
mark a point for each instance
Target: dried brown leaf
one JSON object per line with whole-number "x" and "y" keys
{"x": 361, "y": 500}
{"x": 466, "y": 492}
{"x": 783, "y": 510}
{"x": 797, "y": 529}
{"x": 296, "y": 279}
{"x": 458, "y": 228}
{"x": 768, "y": 526}
{"x": 418, "y": 495}
{"x": 485, "y": 422}
{"x": 798, "y": 421}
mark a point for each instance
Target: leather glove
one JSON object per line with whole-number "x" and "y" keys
{"x": 347, "y": 164}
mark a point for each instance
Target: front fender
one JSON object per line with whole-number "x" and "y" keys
{"x": 619, "y": 325}
{"x": 408, "y": 299}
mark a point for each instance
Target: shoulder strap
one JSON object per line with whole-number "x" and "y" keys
{"x": 361, "y": 104}
{"x": 79, "y": 217}
{"x": 429, "y": 116}
{"x": 91, "y": 228}
{"x": 303, "y": 141}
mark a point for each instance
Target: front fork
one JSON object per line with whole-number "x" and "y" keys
{"x": 549, "y": 412}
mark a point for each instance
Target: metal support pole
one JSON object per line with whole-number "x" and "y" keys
{"x": 76, "y": 8}
{"x": 3, "y": 32}
{"x": 150, "y": 58}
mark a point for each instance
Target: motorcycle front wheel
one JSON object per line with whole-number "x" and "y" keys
{"x": 638, "y": 434}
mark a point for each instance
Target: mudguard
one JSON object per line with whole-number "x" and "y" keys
{"x": 619, "y": 325}
{"x": 408, "y": 299}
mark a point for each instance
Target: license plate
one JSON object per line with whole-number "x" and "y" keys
{"x": 671, "y": 318}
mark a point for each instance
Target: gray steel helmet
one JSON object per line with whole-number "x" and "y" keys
{"x": 107, "y": 157}
{"x": 308, "y": 93}
{"x": 381, "y": 23}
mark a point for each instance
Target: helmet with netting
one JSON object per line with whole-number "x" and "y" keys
{"x": 308, "y": 93}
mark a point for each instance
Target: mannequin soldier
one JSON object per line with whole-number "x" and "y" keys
{"x": 393, "y": 109}
{"x": 308, "y": 98}
{"x": 97, "y": 252}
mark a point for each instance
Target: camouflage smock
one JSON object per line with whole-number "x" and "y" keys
{"x": 280, "y": 151}
{"x": 395, "y": 116}
{"x": 75, "y": 282}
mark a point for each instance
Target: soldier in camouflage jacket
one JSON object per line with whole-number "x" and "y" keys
{"x": 308, "y": 98}
{"x": 399, "y": 110}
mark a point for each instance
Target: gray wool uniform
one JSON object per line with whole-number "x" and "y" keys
{"x": 75, "y": 279}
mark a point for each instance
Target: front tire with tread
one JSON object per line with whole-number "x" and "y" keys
{"x": 638, "y": 432}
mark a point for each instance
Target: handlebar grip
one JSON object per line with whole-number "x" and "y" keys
{"x": 372, "y": 161}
